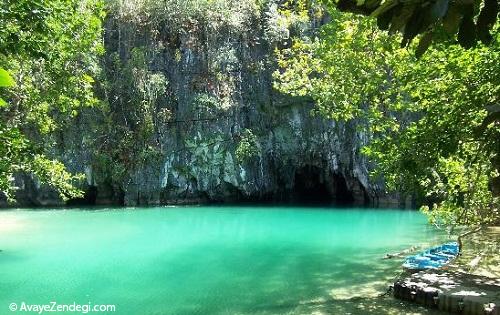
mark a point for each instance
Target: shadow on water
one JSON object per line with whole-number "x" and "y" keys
{"x": 313, "y": 283}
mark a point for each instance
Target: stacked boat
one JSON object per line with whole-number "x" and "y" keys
{"x": 433, "y": 258}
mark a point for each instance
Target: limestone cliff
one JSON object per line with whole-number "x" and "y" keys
{"x": 178, "y": 102}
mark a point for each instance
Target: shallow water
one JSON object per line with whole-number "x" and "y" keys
{"x": 207, "y": 260}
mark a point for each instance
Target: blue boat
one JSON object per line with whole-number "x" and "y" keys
{"x": 432, "y": 258}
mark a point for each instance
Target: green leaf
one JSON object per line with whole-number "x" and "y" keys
{"x": 3, "y": 103}
{"x": 5, "y": 78}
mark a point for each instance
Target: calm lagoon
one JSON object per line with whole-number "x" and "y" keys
{"x": 208, "y": 260}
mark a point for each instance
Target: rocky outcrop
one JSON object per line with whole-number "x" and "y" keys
{"x": 200, "y": 91}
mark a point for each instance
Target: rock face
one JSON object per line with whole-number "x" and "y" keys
{"x": 200, "y": 91}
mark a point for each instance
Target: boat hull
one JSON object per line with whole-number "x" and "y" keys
{"x": 438, "y": 257}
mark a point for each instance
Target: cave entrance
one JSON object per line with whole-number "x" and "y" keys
{"x": 341, "y": 193}
{"x": 313, "y": 186}
{"x": 310, "y": 186}
{"x": 88, "y": 199}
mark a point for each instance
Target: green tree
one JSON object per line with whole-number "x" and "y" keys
{"x": 431, "y": 120}
{"x": 50, "y": 48}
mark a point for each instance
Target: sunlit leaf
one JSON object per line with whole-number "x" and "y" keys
{"x": 5, "y": 79}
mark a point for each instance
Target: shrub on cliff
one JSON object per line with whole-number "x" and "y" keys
{"x": 185, "y": 15}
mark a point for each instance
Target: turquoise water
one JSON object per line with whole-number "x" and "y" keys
{"x": 206, "y": 260}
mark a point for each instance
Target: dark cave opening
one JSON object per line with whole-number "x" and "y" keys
{"x": 89, "y": 198}
{"x": 342, "y": 194}
{"x": 312, "y": 186}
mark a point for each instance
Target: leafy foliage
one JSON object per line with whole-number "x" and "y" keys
{"x": 248, "y": 147}
{"x": 50, "y": 47}
{"x": 424, "y": 116}
{"x": 469, "y": 21}
{"x": 207, "y": 153}
{"x": 5, "y": 81}
{"x": 188, "y": 15}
